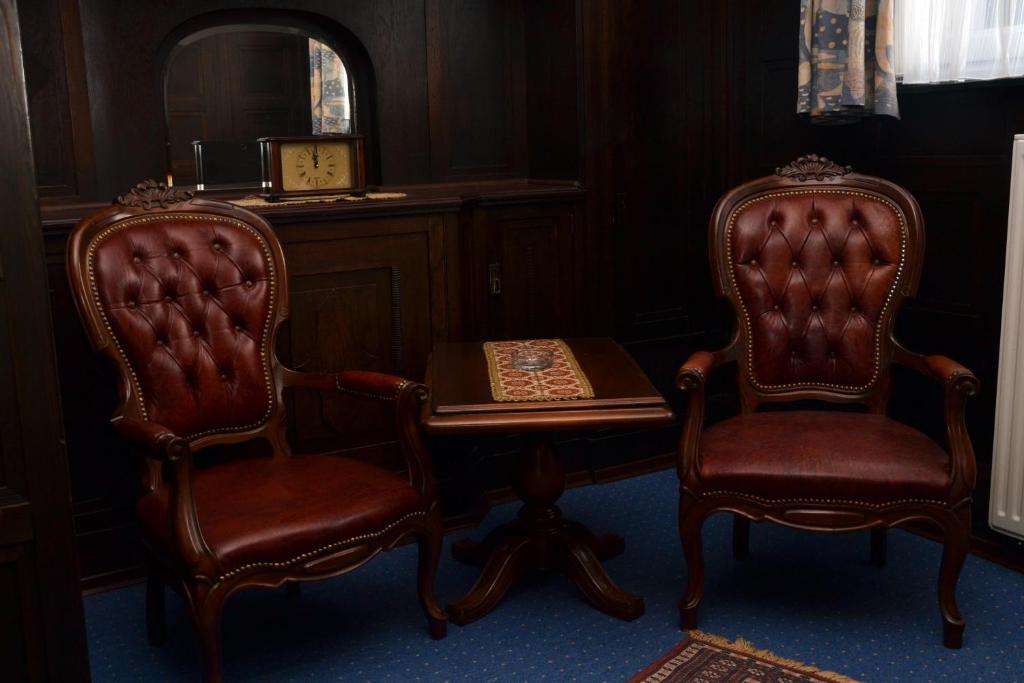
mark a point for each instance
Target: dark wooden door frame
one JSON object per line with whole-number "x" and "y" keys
{"x": 35, "y": 498}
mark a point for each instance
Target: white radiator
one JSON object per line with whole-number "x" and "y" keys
{"x": 1006, "y": 506}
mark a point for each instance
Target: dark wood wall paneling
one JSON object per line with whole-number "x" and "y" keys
{"x": 476, "y": 88}
{"x": 42, "y": 633}
{"x": 58, "y": 98}
{"x": 449, "y": 83}
{"x": 552, "y": 49}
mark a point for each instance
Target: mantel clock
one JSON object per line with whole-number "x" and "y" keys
{"x": 312, "y": 165}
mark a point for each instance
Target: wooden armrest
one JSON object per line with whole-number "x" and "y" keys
{"x": 942, "y": 369}
{"x": 949, "y": 372}
{"x": 407, "y": 397}
{"x": 694, "y": 372}
{"x": 958, "y": 383}
{"x": 161, "y": 444}
{"x": 371, "y": 385}
{"x": 691, "y": 378}
{"x": 159, "y": 441}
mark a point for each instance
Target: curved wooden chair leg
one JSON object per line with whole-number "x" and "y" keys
{"x": 156, "y": 624}
{"x": 429, "y": 541}
{"x": 740, "y": 537}
{"x": 209, "y": 607}
{"x": 957, "y": 538}
{"x": 879, "y": 546}
{"x": 691, "y": 520}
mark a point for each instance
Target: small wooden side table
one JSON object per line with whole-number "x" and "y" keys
{"x": 539, "y": 538}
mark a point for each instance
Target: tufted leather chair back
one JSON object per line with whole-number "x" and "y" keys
{"x": 186, "y": 298}
{"x": 816, "y": 261}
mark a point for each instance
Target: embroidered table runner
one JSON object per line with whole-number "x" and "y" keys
{"x": 562, "y": 381}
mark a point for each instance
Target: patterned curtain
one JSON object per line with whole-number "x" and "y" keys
{"x": 846, "y": 60}
{"x": 328, "y": 91}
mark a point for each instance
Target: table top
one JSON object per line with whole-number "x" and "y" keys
{"x": 461, "y": 400}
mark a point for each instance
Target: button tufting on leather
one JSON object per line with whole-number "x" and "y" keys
{"x": 248, "y": 283}
{"x": 833, "y": 236}
{"x": 152, "y": 308}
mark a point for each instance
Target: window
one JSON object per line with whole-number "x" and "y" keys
{"x": 941, "y": 41}
{"x": 329, "y": 88}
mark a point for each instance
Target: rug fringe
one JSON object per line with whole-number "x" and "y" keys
{"x": 745, "y": 647}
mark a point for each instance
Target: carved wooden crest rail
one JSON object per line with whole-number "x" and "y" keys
{"x": 150, "y": 194}
{"x": 812, "y": 167}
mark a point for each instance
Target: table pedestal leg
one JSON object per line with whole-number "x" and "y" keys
{"x": 539, "y": 539}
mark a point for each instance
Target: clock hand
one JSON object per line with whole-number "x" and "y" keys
{"x": 316, "y": 157}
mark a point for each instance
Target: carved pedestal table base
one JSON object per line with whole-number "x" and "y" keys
{"x": 540, "y": 539}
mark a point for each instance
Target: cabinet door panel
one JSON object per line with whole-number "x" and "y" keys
{"x": 356, "y": 304}
{"x": 533, "y": 248}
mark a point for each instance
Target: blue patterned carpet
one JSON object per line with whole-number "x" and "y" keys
{"x": 809, "y": 597}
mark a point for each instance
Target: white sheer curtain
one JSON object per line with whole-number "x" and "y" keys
{"x": 957, "y": 40}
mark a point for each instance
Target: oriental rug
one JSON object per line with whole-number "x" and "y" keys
{"x": 704, "y": 658}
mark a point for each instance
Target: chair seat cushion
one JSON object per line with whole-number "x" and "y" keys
{"x": 265, "y": 510}
{"x": 823, "y": 455}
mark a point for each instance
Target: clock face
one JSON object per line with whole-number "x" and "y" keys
{"x": 312, "y": 165}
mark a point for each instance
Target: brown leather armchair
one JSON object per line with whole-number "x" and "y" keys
{"x": 816, "y": 261}
{"x": 186, "y": 296}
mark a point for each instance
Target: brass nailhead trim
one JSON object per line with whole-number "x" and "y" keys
{"x": 827, "y": 501}
{"x": 881, "y": 317}
{"x": 120, "y": 225}
{"x": 329, "y": 546}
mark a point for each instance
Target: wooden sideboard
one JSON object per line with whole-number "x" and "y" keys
{"x": 374, "y": 285}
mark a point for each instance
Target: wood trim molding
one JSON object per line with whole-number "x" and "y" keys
{"x": 444, "y": 131}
